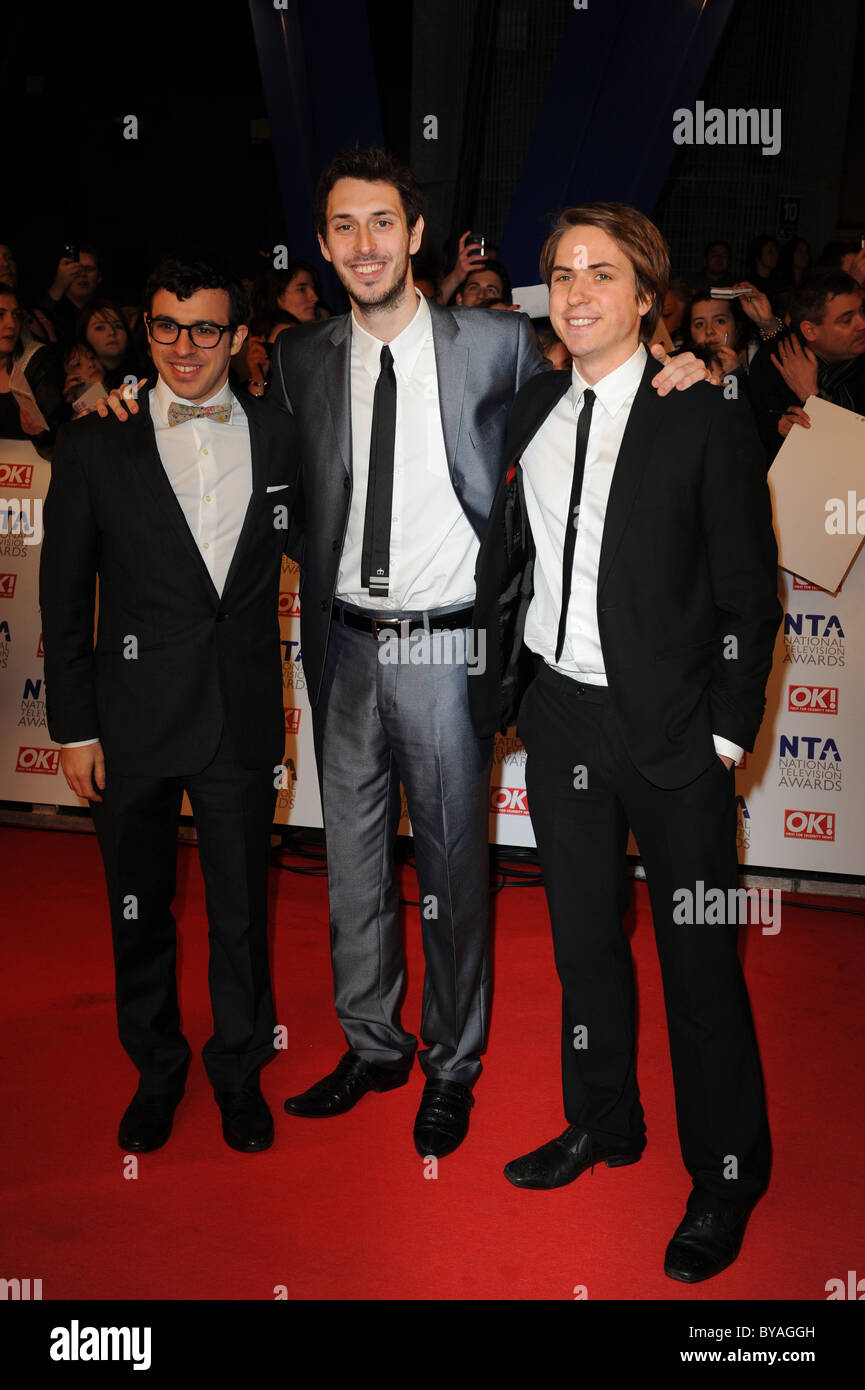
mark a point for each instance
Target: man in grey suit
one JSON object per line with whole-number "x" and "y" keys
{"x": 401, "y": 408}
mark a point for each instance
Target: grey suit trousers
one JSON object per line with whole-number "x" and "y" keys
{"x": 379, "y": 722}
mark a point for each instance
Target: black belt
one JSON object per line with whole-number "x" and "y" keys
{"x": 394, "y": 623}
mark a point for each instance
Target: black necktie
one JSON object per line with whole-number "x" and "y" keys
{"x": 583, "y": 426}
{"x": 375, "y": 556}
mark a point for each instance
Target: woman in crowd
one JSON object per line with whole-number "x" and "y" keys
{"x": 32, "y": 371}
{"x": 83, "y": 370}
{"x": 762, "y": 269}
{"x": 793, "y": 262}
{"x": 719, "y": 335}
{"x": 675, "y": 312}
{"x": 103, "y": 327}
{"x": 293, "y": 291}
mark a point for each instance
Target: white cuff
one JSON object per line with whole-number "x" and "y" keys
{"x": 82, "y": 743}
{"x": 728, "y": 749}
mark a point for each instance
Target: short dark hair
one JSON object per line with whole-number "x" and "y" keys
{"x": 183, "y": 274}
{"x": 717, "y": 242}
{"x": 808, "y": 300}
{"x": 636, "y": 236}
{"x": 372, "y": 165}
{"x": 499, "y": 269}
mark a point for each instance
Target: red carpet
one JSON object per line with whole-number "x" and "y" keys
{"x": 341, "y": 1209}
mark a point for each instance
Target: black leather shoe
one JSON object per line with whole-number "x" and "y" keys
{"x": 247, "y": 1124}
{"x": 706, "y": 1242}
{"x": 345, "y": 1086}
{"x": 147, "y": 1121}
{"x": 443, "y": 1117}
{"x": 562, "y": 1160}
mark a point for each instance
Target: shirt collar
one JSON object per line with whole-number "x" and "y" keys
{"x": 614, "y": 389}
{"x": 405, "y": 347}
{"x": 162, "y": 397}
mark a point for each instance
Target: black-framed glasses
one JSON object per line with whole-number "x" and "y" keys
{"x": 203, "y": 335}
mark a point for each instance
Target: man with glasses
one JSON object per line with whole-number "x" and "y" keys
{"x": 183, "y": 515}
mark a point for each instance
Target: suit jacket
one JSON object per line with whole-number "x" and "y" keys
{"x": 203, "y": 661}
{"x": 482, "y": 359}
{"x": 687, "y": 586}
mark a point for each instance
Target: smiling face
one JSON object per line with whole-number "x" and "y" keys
{"x": 369, "y": 243}
{"x": 194, "y": 374}
{"x": 594, "y": 307}
{"x": 299, "y": 297}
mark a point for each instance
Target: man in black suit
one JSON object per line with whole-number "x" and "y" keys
{"x": 434, "y": 385}
{"x": 183, "y": 516}
{"x": 646, "y": 628}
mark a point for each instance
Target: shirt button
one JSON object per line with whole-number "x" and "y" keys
{"x": 207, "y": 498}
{"x": 204, "y": 451}
{"x": 207, "y": 545}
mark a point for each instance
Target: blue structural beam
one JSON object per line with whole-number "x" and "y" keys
{"x": 606, "y": 126}
{"x": 319, "y": 85}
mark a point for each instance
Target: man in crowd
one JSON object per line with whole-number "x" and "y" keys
{"x": 631, "y": 564}
{"x": 74, "y": 286}
{"x": 716, "y": 265}
{"x": 823, "y": 354}
{"x": 491, "y": 281}
{"x": 182, "y": 515}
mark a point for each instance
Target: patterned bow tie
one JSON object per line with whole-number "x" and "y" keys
{"x": 178, "y": 413}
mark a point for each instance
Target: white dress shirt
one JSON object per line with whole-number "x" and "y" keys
{"x": 548, "y": 470}
{"x": 209, "y": 466}
{"x": 433, "y": 547}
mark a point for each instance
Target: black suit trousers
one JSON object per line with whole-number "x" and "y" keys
{"x": 583, "y": 793}
{"x": 136, "y": 824}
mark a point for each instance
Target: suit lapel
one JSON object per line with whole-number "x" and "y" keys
{"x": 538, "y": 398}
{"x": 452, "y": 361}
{"x": 643, "y": 421}
{"x": 145, "y": 458}
{"x": 337, "y": 377}
{"x": 258, "y": 446}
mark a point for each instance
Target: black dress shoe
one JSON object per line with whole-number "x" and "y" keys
{"x": 147, "y": 1121}
{"x": 344, "y": 1087}
{"x": 443, "y": 1117}
{"x": 706, "y": 1242}
{"x": 247, "y": 1124}
{"x": 562, "y": 1160}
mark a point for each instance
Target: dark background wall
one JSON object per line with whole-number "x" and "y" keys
{"x": 202, "y": 169}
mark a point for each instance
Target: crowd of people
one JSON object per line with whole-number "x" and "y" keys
{"x": 789, "y": 328}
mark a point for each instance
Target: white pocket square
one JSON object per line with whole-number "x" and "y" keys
{"x": 278, "y": 487}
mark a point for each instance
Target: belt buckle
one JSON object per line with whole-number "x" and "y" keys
{"x": 378, "y": 623}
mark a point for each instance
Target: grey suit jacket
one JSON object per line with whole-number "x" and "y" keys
{"x": 483, "y": 357}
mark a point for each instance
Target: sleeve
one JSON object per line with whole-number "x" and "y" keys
{"x": 530, "y": 359}
{"x": 67, "y": 595}
{"x": 743, "y": 559}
